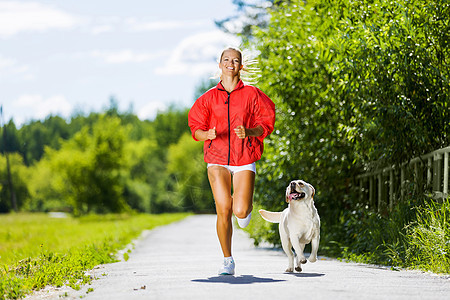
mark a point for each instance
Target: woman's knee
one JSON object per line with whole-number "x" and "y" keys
{"x": 224, "y": 209}
{"x": 242, "y": 211}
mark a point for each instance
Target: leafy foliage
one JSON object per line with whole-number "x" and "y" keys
{"x": 394, "y": 77}
{"x": 90, "y": 166}
{"x": 357, "y": 85}
{"x": 309, "y": 142}
{"x": 18, "y": 177}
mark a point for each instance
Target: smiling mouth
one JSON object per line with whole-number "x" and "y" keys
{"x": 296, "y": 196}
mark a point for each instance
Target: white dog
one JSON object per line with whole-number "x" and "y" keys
{"x": 299, "y": 223}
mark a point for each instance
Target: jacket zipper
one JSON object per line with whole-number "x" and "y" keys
{"x": 229, "y": 129}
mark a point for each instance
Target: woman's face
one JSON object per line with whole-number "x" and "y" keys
{"x": 231, "y": 63}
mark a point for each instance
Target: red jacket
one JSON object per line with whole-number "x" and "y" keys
{"x": 246, "y": 105}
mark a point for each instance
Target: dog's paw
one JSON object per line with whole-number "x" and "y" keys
{"x": 289, "y": 270}
{"x": 298, "y": 269}
{"x": 312, "y": 259}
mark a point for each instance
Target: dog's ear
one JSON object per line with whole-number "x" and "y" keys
{"x": 313, "y": 190}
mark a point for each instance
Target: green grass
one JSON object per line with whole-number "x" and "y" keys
{"x": 37, "y": 250}
{"x": 429, "y": 238}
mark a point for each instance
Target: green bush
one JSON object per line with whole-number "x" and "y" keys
{"x": 357, "y": 85}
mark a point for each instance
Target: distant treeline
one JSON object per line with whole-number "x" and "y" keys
{"x": 109, "y": 161}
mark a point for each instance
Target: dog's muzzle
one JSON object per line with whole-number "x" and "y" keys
{"x": 296, "y": 196}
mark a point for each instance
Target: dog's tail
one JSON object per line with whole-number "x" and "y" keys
{"x": 270, "y": 216}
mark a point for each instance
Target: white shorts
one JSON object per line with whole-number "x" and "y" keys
{"x": 235, "y": 169}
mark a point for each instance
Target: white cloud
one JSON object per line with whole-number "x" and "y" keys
{"x": 98, "y": 29}
{"x": 99, "y": 25}
{"x": 150, "y": 110}
{"x": 125, "y": 56}
{"x": 16, "y": 17}
{"x": 6, "y": 63}
{"x": 34, "y": 106}
{"x": 198, "y": 54}
{"x": 134, "y": 24}
{"x": 9, "y": 66}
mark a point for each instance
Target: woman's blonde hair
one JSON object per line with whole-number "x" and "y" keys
{"x": 249, "y": 73}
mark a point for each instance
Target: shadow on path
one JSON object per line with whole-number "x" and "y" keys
{"x": 306, "y": 274}
{"x": 243, "y": 279}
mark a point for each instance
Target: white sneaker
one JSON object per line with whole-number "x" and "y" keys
{"x": 245, "y": 221}
{"x": 227, "y": 267}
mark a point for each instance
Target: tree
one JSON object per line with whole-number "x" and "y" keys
{"x": 144, "y": 171}
{"x": 18, "y": 177}
{"x": 35, "y": 135}
{"x": 169, "y": 126}
{"x": 297, "y": 68}
{"x": 394, "y": 73}
{"x": 250, "y": 15}
{"x": 91, "y": 165}
{"x": 354, "y": 83}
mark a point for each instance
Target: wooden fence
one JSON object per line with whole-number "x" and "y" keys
{"x": 426, "y": 174}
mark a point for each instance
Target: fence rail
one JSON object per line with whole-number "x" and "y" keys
{"x": 428, "y": 173}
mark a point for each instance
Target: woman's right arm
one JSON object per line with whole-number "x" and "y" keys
{"x": 203, "y": 135}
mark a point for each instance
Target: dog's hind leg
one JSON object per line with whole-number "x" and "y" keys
{"x": 314, "y": 248}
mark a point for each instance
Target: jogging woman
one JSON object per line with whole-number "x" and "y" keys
{"x": 232, "y": 119}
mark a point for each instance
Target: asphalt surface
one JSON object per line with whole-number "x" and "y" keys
{"x": 181, "y": 260}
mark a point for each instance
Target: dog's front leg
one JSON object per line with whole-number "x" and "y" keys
{"x": 298, "y": 247}
{"x": 314, "y": 248}
{"x": 287, "y": 247}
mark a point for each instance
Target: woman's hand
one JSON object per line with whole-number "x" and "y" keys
{"x": 241, "y": 132}
{"x": 203, "y": 135}
{"x": 212, "y": 134}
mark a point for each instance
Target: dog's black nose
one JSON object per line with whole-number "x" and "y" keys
{"x": 293, "y": 185}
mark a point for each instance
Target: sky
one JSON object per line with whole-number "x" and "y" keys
{"x": 63, "y": 57}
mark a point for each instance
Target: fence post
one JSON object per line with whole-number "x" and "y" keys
{"x": 380, "y": 191}
{"x": 402, "y": 182}
{"x": 361, "y": 189}
{"x": 391, "y": 189}
{"x": 437, "y": 173}
{"x": 445, "y": 190}
{"x": 372, "y": 192}
{"x": 417, "y": 178}
{"x": 429, "y": 173}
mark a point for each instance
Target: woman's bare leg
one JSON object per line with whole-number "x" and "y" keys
{"x": 220, "y": 181}
{"x": 243, "y": 185}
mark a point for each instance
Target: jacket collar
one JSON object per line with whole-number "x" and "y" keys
{"x": 238, "y": 86}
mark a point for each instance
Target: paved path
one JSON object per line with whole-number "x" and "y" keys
{"x": 180, "y": 261}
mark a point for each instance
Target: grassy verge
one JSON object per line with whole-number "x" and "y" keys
{"x": 37, "y": 250}
{"x": 415, "y": 237}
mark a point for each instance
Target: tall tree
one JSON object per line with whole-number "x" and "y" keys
{"x": 91, "y": 165}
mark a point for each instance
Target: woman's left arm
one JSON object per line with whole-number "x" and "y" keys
{"x": 264, "y": 110}
{"x": 243, "y": 132}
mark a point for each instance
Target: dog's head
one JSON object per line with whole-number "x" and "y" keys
{"x": 299, "y": 190}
